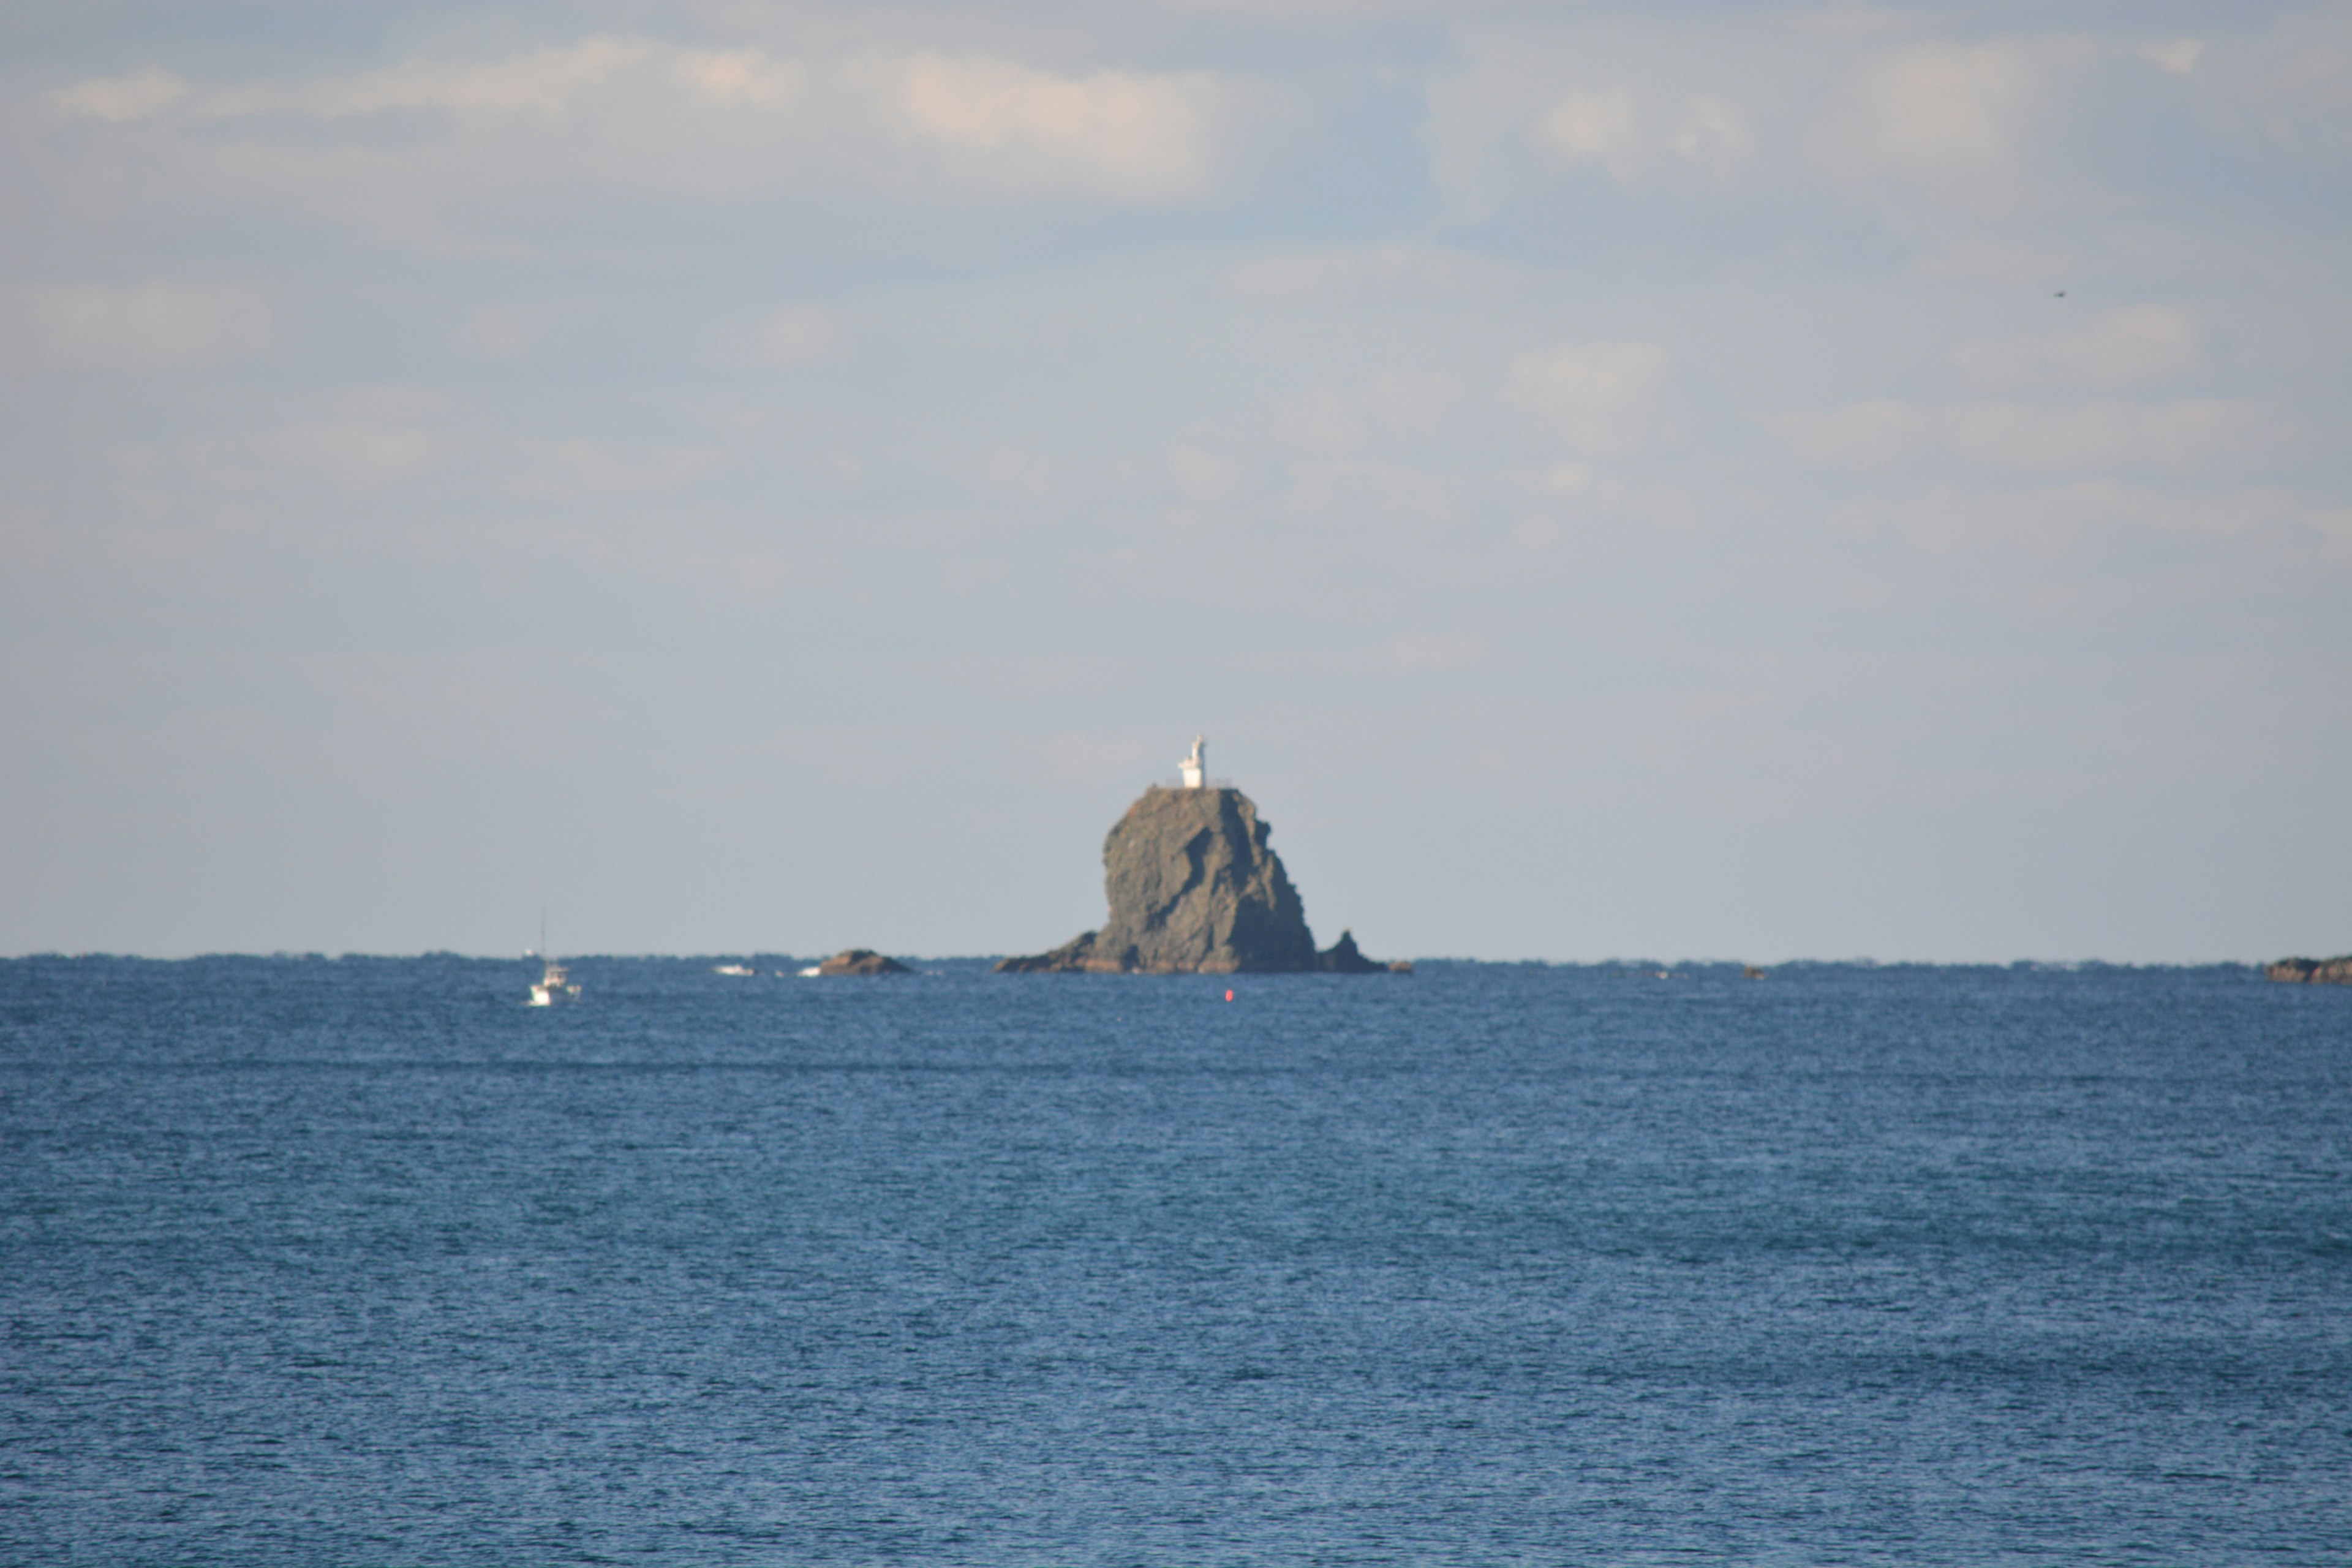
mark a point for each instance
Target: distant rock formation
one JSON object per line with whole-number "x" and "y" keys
{"x": 1342, "y": 958}
{"x": 1075, "y": 956}
{"x": 861, "y": 960}
{"x": 2312, "y": 971}
{"x": 1193, "y": 889}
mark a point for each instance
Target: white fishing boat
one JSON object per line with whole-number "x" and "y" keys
{"x": 733, "y": 969}
{"x": 556, "y": 984}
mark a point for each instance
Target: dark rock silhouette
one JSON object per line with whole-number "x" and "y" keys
{"x": 1343, "y": 958}
{"x": 1075, "y": 956}
{"x": 1193, "y": 889}
{"x": 861, "y": 960}
{"x": 2312, "y": 971}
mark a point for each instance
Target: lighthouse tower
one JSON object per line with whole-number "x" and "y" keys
{"x": 1196, "y": 766}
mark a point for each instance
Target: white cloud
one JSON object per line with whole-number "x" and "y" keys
{"x": 545, "y": 82}
{"x": 1649, "y": 99}
{"x": 1019, "y": 472}
{"x": 2072, "y": 516}
{"x": 1202, "y": 475}
{"x": 1591, "y": 128}
{"x": 797, "y": 336}
{"x": 122, "y": 98}
{"x": 1947, "y": 123}
{"x": 2129, "y": 347}
{"x": 499, "y": 332}
{"x": 1604, "y": 128}
{"x": 1405, "y": 405}
{"x": 2009, "y": 263}
{"x": 1712, "y": 133}
{"x": 1124, "y": 135}
{"x": 2292, "y": 85}
{"x": 1366, "y": 488}
{"x": 573, "y": 469}
{"x": 457, "y": 156}
{"x": 1383, "y": 271}
{"x": 1320, "y": 421}
{"x": 733, "y": 78}
{"x": 1946, "y": 106}
{"x": 357, "y": 454}
{"x": 452, "y": 155}
{"x": 1606, "y": 400}
{"x": 1537, "y": 532}
{"x": 2189, "y": 434}
{"x": 2319, "y": 78}
{"x": 1874, "y": 435}
{"x": 2177, "y": 56}
{"x": 1855, "y": 19}
{"x": 141, "y": 327}
{"x": 1412, "y": 403}
{"x": 2083, "y": 438}
{"x": 1289, "y": 277}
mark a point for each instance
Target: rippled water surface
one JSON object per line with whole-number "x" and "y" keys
{"x": 362, "y": 1261}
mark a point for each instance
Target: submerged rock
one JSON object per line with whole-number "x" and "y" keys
{"x": 861, "y": 960}
{"x": 1193, "y": 889}
{"x": 2312, "y": 971}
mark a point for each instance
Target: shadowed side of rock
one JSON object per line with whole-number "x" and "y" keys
{"x": 2312, "y": 971}
{"x": 1193, "y": 889}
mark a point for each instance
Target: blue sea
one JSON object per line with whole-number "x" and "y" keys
{"x": 362, "y": 1261}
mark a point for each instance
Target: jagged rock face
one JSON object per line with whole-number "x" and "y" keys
{"x": 1193, "y": 889}
{"x": 2312, "y": 971}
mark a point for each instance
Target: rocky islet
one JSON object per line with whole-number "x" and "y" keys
{"x": 1194, "y": 889}
{"x": 861, "y": 960}
{"x": 2312, "y": 971}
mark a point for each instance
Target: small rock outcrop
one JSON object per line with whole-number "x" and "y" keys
{"x": 1343, "y": 957}
{"x": 2312, "y": 971}
{"x": 1193, "y": 889}
{"x": 1075, "y": 956}
{"x": 861, "y": 960}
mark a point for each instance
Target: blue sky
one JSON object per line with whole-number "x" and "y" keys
{"x": 1608, "y": 479}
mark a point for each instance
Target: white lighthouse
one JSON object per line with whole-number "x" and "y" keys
{"x": 1196, "y": 766}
